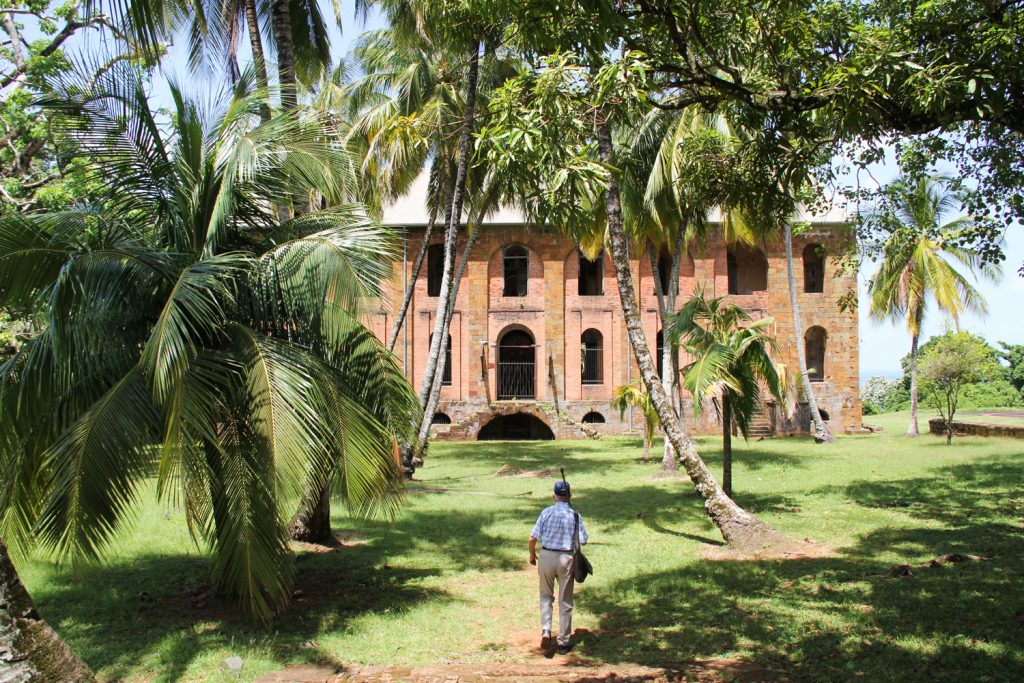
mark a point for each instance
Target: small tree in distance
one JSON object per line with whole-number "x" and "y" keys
{"x": 636, "y": 395}
{"x": 732, "y": 360}
{"x": 957, "y": 360}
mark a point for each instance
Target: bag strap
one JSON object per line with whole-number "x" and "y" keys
{"x": 576, "y": 531}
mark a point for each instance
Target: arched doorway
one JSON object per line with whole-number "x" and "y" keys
{"x": 516, "y": 427}
{"x": 516, "y": 366}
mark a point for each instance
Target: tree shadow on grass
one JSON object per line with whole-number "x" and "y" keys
{"x": 842, "y": 617}
{"x": 460, "y": 536}
{"x": 122, "y": 613}
{"x": 577, "y": 457}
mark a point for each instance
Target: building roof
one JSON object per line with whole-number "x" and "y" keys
{"x": 410, "y": 210}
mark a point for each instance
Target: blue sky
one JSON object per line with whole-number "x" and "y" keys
{"x": 881, "y": 344}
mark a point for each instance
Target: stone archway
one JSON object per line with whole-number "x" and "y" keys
{"x": 516, "y": 426}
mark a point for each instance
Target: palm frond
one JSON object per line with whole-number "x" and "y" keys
{"x": 95, "y": 469}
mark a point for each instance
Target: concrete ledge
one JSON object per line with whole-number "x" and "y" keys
{"x": 938, "y": 426}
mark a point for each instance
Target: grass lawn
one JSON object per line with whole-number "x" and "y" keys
{"x": 448, "y": 580}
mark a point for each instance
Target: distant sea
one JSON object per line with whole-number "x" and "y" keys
{"x": 866, "y": 374}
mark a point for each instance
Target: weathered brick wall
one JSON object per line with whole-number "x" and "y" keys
{"x": 556, "y": 316}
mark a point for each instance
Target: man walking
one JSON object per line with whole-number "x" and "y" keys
{"x": 556, "y": 529}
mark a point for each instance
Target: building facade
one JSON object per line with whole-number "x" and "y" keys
{"x": 538, "y": 341}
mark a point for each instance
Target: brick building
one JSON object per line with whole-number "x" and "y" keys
{"x": 538, "y": 341}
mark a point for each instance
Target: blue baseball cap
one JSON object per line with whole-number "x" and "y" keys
{"x": 562, "y": 489}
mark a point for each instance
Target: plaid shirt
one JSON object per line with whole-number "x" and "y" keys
{"x": 555, "y": 525}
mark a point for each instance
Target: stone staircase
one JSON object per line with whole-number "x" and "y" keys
{"x": 761, "y": 427}
{"x": 555, "y": 415}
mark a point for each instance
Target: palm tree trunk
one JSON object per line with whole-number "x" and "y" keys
{"x": 451, "y": 233}
{"x": 647, "y": 443}
{"x": 29, "y": 649}
{"x": 912, "y": 429}
{"x": 666, "y": 303}
{"x": 726, "y": 445}
{"x": 312, "y": 523}
{"x": 233, "y": 71}
{"x": 259, "y": 61}
{"x": 737, "y": 526}
{"x": 435, "y": 390}
{"x": 411, "y": 286}
{"x": 821, "y": 431}
{"x": 281, "y": 21}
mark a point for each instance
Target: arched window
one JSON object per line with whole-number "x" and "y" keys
{"x": 660, "y": 349}
{"x": 814, "y": 269}
{"x": 435, "y": 268}
{"x": 591, "y": 279}
{"x": 516, "y": 366}
{"x": 516, "y": 261}
{"x": 593, "y": 357}
{"x": 814, "y": 352}
{"x": 747, "y": 270}
{"x": 593, "y": 418}
{"x": 446, "y": 377}
{"x": 664, "y": 270}
{"x": 441, "y": 419}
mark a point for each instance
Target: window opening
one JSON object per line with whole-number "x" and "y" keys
{"x": 516, "y": 262}
{"x": 435, "y": 269}
{"x": 593, "y": 357}
{"x": 591, "y": 277}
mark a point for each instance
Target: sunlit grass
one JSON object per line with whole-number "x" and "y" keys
{"x": 448, "y": 580}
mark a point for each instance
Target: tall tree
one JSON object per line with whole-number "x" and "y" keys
{"x": 732, "y": 360}
{"x": 201, "y": 327}
{"x": 917, "y": 262}
{"x": 543, "y": 133}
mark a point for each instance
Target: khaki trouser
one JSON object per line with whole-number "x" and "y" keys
{"x": 554, "y": 566}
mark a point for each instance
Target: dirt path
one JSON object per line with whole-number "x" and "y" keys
{"x": 536, "y": 666}
{"x": 568, "y": 669}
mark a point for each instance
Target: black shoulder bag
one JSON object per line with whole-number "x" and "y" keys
{"x": 581, "y": 567}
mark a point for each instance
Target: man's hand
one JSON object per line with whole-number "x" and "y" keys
{"x": 533, "y": 559}
{"x": 533, "y": 550}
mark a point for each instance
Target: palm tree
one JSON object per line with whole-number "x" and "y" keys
{"x": 736, "y": 524}
{"x": 917, "y": 262}
{"x": 180, "y": 313}
{"x": 665, "y": 206}
{"x": 634, "y": 395}
{"x": 411, "y": 113}
{"x": 732, "y": 359}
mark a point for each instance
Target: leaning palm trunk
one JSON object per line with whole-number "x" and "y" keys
{"x": 411, "y": 286}
{"x": 912, "y": 429}
{"x": 454, "y": 218}
{"x": 821, "y": 431}
{"x": 737, "y": 526}
{"x": 29, "y": 649}
{"x": 434, "y": 397}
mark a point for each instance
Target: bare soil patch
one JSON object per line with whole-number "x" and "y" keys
{"x": 807, "y": 549}
{"x": 510, "y": 471}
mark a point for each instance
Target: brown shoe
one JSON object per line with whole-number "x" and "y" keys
{"x": 545, "y": 640}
